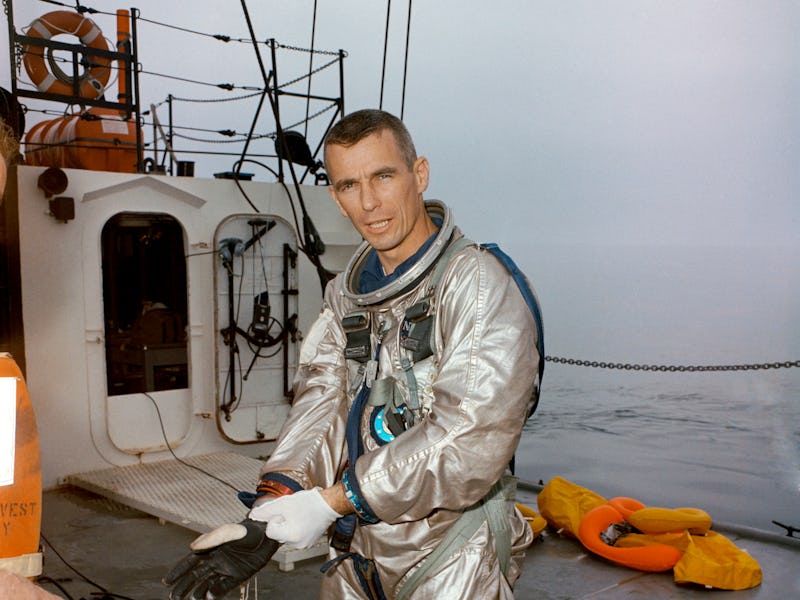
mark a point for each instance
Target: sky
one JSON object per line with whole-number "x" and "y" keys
{"x": 563, "y": 122}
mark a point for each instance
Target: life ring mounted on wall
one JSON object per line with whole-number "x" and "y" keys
{"x": 42, "y": 66}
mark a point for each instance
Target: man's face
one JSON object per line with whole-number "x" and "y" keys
{"x": 375, "y": 189}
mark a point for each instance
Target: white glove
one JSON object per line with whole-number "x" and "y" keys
{"x": 297, "y": 520}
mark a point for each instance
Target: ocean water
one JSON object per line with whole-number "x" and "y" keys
{"x": 727, "y": 442}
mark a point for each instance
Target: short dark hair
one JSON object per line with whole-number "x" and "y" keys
{"x": 9, "y": 144}
{"x": 357, "y": 125}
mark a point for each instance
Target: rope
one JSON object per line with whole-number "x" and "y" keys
{"x": 671, "y": 368}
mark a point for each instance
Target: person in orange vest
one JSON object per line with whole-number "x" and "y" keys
{"x": 13, "y": 586}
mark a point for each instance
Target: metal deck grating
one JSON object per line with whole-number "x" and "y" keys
{"x": 182, "y": 495}
{"x": 177, "y": 493}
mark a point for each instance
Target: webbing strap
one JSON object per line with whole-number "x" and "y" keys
{"x": 365, "y": 571}
{"x": 492, "y": 508}
{"x": 527, "y": 294}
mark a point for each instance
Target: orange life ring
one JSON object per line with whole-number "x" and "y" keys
{"x": 626, "y": 506}
{"x": 652, "y": 558}
{"x": 53, "y": 80}
{"x": 655, "y": 520}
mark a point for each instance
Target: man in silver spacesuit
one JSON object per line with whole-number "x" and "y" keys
{"x": 410, "y": 396}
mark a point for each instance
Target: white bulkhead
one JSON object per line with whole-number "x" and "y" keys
{"x": 141, "y": 243}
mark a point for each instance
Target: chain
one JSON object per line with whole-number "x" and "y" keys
{"x": 309, "y": 74}
{"x": 310, "y": 118}
{"x": 299, "y": 49}
{"x": 272, "y": 135}
{"x": 671, "y": 368}
{"x": 18, "y": 52}
{"x": 235, "y": 141}
{"x": 217, "y": 99}
{"x": 283, "y": 85}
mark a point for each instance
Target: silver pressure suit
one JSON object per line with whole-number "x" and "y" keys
{"x": 475, "y": 393}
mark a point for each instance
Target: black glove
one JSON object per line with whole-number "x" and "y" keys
{"x": 221, "y": 560}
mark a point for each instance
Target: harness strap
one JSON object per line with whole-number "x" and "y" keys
{"x": 365, "y": 571}
{"x": 530, "y": 299}
{"x": 427, "y": 331}
{"x": 492, "y": 509}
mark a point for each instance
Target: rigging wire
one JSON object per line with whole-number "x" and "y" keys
{"x": 310, "y": 66}
{"x": 405, "y": 62}
{"x": 310, "y": 243}
{"x": 216, "y": 36}
{"x": 385, "y": 48}
{"x": 94, "y": 11}
{"x": 222, "y": 86}
{"x": 224, "y": 132}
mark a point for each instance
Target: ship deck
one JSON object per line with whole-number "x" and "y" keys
{"x": 121, "y": 529}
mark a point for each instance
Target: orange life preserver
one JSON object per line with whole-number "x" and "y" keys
{"x": 53, "y": 80}
{"x": 652, "y": 558}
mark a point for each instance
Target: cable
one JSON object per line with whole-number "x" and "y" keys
{"x": 50, "y": 580}
{"x": 237, "y": 168}
{"x": 223, "y": 86}
{"x": 216, "y": 36}
{"x": 233, "y": 403}
{"x": 175, "y": 456}
{"x": 310, "y": 66}
{"x": 300, "y": 244}
{"x": 95, "y": 117}
{"x": 405, "y": 63}
{"x": 79, "y": 574}
{"x": 385, "y": 47}
{"x": 200, "y": 253}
